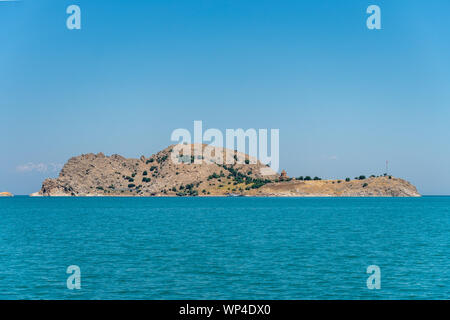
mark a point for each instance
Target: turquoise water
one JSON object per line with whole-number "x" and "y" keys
{"x": 225, "y": 248}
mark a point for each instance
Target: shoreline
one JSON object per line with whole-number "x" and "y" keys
{"x": 223, "y": 196}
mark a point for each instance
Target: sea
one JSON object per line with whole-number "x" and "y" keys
{"x": 224, "y": 248}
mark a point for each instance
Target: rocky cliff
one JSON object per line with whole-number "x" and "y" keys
{"x": 163, "y": 174}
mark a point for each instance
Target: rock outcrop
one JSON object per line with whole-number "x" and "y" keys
{"x": 158, "y": 175}
{"x": 165, "y": 174}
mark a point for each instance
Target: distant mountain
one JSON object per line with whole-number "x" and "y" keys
{"x": 165, "y": 174}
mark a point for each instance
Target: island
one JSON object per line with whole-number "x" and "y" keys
{"x": 6, "y": 194}
{"x": 189, "y": 175}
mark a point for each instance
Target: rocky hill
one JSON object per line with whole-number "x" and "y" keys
{"x": 161, "y": 175}
{"x": 383, "y": 186}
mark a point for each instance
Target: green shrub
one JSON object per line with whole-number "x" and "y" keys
{"x": 131, "y": 185}
{"x": 213, "y": 176}
{"x": 347, "y": 179}
{"x": 365, "y": 185}
{"x": 362, "y": 177}
{"x": 317, "y": 178}
{"x": 300, "y": 178}
{"x": 144, "y": 173}
{"x": 247, "y": 161}
{"x": 307, "y": 178}
{"x": 189, "y": 186}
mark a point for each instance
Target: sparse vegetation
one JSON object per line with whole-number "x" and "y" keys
{"x": 222, "y": 179}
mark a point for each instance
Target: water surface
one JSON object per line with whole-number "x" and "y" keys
{"x": 225, "y": 248}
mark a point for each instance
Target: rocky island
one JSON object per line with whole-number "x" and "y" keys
{"x": 6, "y": 194}
{"x": 158, "y": 175}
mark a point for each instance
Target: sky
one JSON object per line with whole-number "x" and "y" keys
{"x": 345, "y": 98}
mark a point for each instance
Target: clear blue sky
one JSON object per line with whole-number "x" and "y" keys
{"x": 345, "y": 98}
